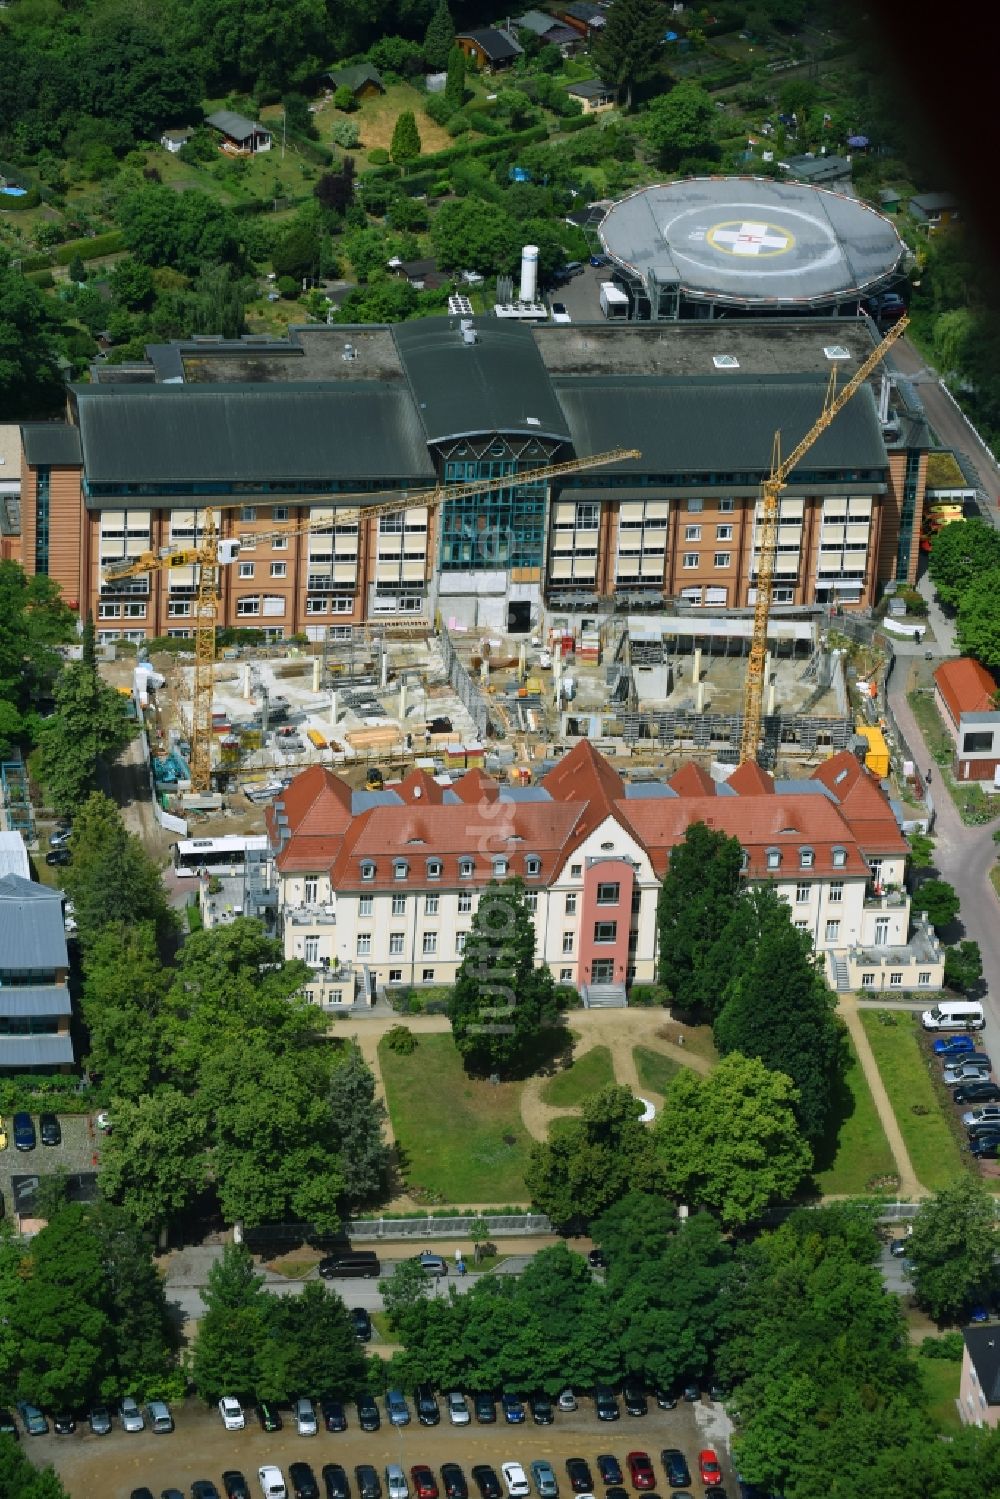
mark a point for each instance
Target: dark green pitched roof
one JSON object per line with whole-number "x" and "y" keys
{"x": 496, "y": 384}
{"x": 54, "y": 443}
{"x": 293, "y": 432}
{"x": 696, "y": 425}
{"x": 356, "y": 77}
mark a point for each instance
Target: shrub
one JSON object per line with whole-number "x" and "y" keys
{"x": 344, "y": 99}
{"x": 43, "y": 278}
{"x": 439, "y": 109}
{"x": 346, "y": 133}
{"x": 287, "y": 286}
{"x": 949, "y": 1346}
{"x": 401, "y": 1040}
{"x": 90, "y": 249}
{"x": 648, "y": 996}
{"x": 379, "y": 156}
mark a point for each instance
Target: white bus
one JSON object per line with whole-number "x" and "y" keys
{"x": 217, "y": 855}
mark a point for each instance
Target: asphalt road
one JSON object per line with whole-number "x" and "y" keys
{"x": 949, "y": 425}
{"x": 113, "y": 1465}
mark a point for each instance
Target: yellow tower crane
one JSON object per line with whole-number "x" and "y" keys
{"x": 781, "y": 468}
{"x": 213, "y": 552}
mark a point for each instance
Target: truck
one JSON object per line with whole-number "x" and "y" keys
{"x": 614, "y": 302}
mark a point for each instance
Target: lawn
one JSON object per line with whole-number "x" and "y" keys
{"x": 919, "y": 1109}
{"x": 376, "y": 119}
{"x": 696, "y": 1038}
{"x": 971, "y": 800}
{"x": 856, "y": 1153}
{"x": 460, "y": 1139}
{"x": 655, "y": 1070}
{"x": 940, "y": 1379}
{"x": 592, "y": 1071}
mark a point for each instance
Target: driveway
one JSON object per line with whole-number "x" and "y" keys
{"x": 949, "y": 424}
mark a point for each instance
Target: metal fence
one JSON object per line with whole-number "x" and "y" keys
{"x": 365, "y": 1230}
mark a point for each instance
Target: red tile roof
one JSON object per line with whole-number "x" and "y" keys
{"x": 749, "y": 780}
{"x": 692, "y": 780}
{"x": 865, "y": 807}
{"x": 966, "y": 686}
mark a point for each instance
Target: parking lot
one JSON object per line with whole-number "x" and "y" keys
{"x": 76, "y": 1156}
{"x": 113, "y": 1465}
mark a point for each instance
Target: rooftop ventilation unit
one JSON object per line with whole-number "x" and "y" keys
{"x": 725, "y": 361}
{"x": 836, "y": 351}
{"x": 350, "y": 352}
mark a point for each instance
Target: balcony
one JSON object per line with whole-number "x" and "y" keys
{"x": 877, "y": 899}
{"x": 312, "y": 915}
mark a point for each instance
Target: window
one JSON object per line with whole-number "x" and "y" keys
{"x": 464, "y": 902}
{"x": 279, "y": 569}
{"x": 832, "y": 931}
{"x": 246, "y": 569}
{"x": 801, "y": 926}
{"x": 774, "y": 858}
{"x": 395, "y": 975}
{"x": 839, "y": 858}
{"x": 364, "y": 944}
{"x": 923, "y": 979}
{"x": 367, "y": 869}
{"x": 868, "y": 981}
{"x": 248, "y": 512}
{"x": 605, "y": 931}
{"x": 690, "y": 559}
{"x": 531, "y": 900}
{"x": 396, "y": 944}
{"x": 279, "y": 512}
{"x": 977, "y": 744}
{"x": 723, "y": 559}
{"x": 896, "y": 978}
{"x": 695, "y": 505}
{"x": 466, "y": 868}
{"x": 399, "y": 905}
{"x": 567, "y": 946}
{"x": 427, "y": 975}
{"x": 310, "y": 950}
{"x": 430, "y": 944}
{"x": 565, "y": 975}
{"x": 575, "y": 871}
{"x": 248, "y": 605}
{"x": 882, "y": 931}
{"x": 279, "y": 544}
{"x": 836, "y": 892}
{"x": 802, "y": 893}
{"x": 723, "y": 533}
{"x": 692, "y": 533}
{"x": 310, "y": 890}
{"x": 400, "y": 869}
{"x": 366, "y": 905}
{"x": 533, "y": 866}
{"x": 460, "y": 940}
{"x": 434, "y": 868}
{"x": 499, "y": 867}
{"x": 727, "y": 506}
{"x": 431, "y": 904}
{"x": 806, "y": 858}
{"x": 608, "y": 893}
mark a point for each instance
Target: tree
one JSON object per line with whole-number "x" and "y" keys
{"x": 89, "y": 726}
{"x": 960, "y": 553}
{"x": 124, "y": 985}
{"x": 20, "y": 1479}
{"x": 154, "y": 1161}
{"x": 939, "y": 900}
{"x": 297, "y": 253}
{"x": 59, "y": 1316}
{"x": 963, "y": 966}
{"x": 344, "y": 98}
{"x": 33, "y": 619}
{"x": 977, "y": 629}
{"x": 501, "y": 1004}
{"x": 780, "y": 1009}
{"x": 628, "y": 49}
{"x": 335, "y": 190}
{"x": 454, "y": 89}
{"x": 185, "y": 231}
{"x": 730, "y": 1142}
{"x": 952, "y": 1247}
{"x": 231, "y": 1332}
{"x": 359, "y": 1125}
{"x": 309, "y": 1344}
{"x": 680, "y": 123}
{"x": 407, "y": 1286}
{"x": 112, "y": 881}
{"x": 951, "y": 333}
{"x": 439, "y": 37}
{"x": 405, "y": 146}
{"x": 30, "y": 384}
{"x": 921, "y": 851}
{"x": 142, "y": 1338}
{"x": 595, "y": 1160}
{"x": 697, "y": 899}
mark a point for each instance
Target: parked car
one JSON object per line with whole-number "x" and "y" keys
{"x": 567, "y": 1401}
{"x": 641, "y": 1471}
{"x": 957, "y": 1073}
{"x": 458, "y": 1409}
{"x": 131, "y": 1416}
{"x": 969, "y": 1059}
{"x": 485, "y": 1407}
{"x": 24, "y": 1131}
{"x": 60, "y": 837}
{"x": 268, "y": 1416}
{"x": 541, "y": 1410}
{"x": 49, "y": 1131}
{"x": 578, "y": 1472}
{"x": 99, "y": 1420}
{"x": 513, "y": 1409}
{"x": 710, "y": 1468}
{"x": 634, "y": 1397}
{"x": 675, "y": 1467}
{"x": 984, "y": 1130}
{"x": 433, "y": 1264}
{"x": 544, "y": 1479}
{"x": 985, "y": 1114}
{"x": 57, "y": 857}
{"x": 515, "y": 1480}
{"x": 396, "y": 1408}
{"x": 333, "y": 1413}
{"x": 453, "y": 1478}
{"x": 609, "y": 1468}
{"x": 954, "y": 1046}
{"x": 35, "y": 1423}
{"x": 63, "y": 1423}
{"x": 599, "y": 260}
{"x": 362, "y": 1324}
{"x": 559, "y": 313}
{"x": 335, "y": 1481}
{"x": 234, "y": 1484}
{"x": 423, "y": 1481}
{"x": 598, "y": 1259}
{"x": 987, "y": 1149}
{"x": 305, "y": 1417}
{"x": 665, "y": 1399}
{"x": 368, "y": 1482}
{"x": 202, "y": 1488}
{"x": 160, "y": 1419}
{"x": 4, "y": 1142}
{"x": 486, "y": 1481}
{"x": 605, "y": 1404}
{"x": 396, "y": 1486}
{"x": 231, "y": 1412}
{"x": 272, "y": 1484}
{"x": 428, "y": 1410}
{"x": 977, "y": 1093}
{"x": 899, "y": 1248}
{"x": 369, "y": 1415}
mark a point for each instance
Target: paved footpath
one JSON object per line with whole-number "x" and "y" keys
{"x": 909, "y": 1186}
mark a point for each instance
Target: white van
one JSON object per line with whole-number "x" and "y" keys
{"x": 954, "y": 1015}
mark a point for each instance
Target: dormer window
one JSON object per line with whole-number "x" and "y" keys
{"x": 466, "y": 868}
{"x": 839, "y": 858}
{"x": 533, "y": 866}
{"x": 400, "y": 869}
{"x": 499, "y": 867}
{"x": 367, "y": 869}
{"x": 807, "y": 858}
{"x": 744, "y": 861}
{"x": 774, "y": 858}
{"x": 434, "y": 868}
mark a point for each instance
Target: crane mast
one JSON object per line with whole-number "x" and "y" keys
{"x": 781, "y": 468}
